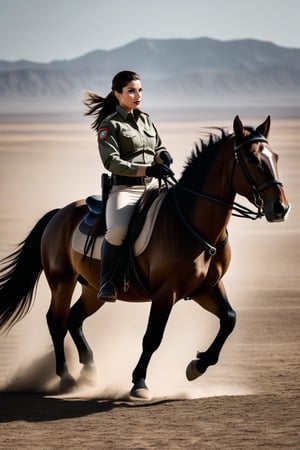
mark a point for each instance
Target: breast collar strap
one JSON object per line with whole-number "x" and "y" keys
{"x": 212, "y": 250}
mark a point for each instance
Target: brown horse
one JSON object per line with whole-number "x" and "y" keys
{"x": 186, "y": 257}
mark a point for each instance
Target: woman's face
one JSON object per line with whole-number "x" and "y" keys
{"x": 131, "y": 96}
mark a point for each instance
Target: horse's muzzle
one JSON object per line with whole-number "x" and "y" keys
{"x": 277, "y": 212}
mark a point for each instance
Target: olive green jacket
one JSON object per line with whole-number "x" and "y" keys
{"x": 127, "y": 140}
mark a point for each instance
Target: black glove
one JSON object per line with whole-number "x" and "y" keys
{"x": 158, "y": 171}
{"x": 164, "y": 157}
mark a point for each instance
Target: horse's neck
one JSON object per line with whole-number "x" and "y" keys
{"x": 208, "y": 215}
{"x": 210, "y": 219}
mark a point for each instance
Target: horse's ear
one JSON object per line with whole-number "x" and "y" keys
{"x": 264, "y": 128}
{"x": 238, "y": 128}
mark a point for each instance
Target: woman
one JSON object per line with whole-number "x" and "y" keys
{"x": 131, "y": 149}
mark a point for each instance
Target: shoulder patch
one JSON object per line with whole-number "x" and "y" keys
{"x": 103, "y": 134}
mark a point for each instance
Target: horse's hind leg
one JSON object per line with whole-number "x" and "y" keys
{"x": 86, "y": 305}
{"x": 57, "y": 319}
{"x": 216, "y": 302}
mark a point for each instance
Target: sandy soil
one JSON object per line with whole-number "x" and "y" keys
{"x": 249, "y": 400}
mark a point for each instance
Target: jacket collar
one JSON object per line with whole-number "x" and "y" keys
{"x": 125, "y": 115}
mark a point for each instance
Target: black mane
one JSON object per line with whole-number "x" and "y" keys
{"x": 198, "y": 164}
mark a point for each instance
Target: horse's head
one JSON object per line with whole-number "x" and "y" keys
{"x": 255, "y": 174}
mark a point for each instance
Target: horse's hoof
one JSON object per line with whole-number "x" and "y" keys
{"x": 140, "y": 391}
{"x": 191, "y": 371}
{"x": 67, "y": 383}
{"x": 88, "y": 374}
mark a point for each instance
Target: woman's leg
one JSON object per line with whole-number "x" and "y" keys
{"x": 120, "y": 206}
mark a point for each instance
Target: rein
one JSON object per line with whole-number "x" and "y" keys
{"x": 243, "y": 211}
{"x": 239, "y": 210}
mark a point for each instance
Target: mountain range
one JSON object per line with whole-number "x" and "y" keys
{"x": 174, "y": 72}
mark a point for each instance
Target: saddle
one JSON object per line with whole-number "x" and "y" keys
{"x": 95, "y": 216}
{"x": 94, "y": 221}
{"x": 88, "y": 236}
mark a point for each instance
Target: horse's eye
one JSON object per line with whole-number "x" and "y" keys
{"x": 252, "y": 159}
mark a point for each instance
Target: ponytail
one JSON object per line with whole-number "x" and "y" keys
{"x": 100, "y": 107}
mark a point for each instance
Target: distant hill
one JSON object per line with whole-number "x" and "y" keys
{"x": 175, "y": 72}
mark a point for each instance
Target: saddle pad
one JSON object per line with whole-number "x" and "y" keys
{"x": 140, "y": 245}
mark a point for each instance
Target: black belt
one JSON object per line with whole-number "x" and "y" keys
{"x": 131, "y": 181}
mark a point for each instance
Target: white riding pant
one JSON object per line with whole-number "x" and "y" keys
{"x": 120, "y": 205}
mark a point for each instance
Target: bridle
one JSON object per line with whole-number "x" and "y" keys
{"x": 258, "y": 201}
{"x": 240, "y": 210}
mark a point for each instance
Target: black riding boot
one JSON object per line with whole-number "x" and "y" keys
{"x": 110, "y": 256}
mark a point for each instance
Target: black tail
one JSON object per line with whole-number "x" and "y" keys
{"x": 19, "y": 274}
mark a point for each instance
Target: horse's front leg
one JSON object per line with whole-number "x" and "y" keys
{"x": 159, "y": 314}
{"x": 216, "y": 302}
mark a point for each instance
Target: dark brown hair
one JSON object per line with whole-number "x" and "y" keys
{"x": 101, "y": 107}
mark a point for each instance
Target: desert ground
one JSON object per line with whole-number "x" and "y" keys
{"x": 249, "y": 400}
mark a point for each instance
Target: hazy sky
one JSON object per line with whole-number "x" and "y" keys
{"x": 43, "y": 30}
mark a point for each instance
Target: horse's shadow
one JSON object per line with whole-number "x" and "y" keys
{"x": 27, "y": 397}
{"x": 39, "y": 408}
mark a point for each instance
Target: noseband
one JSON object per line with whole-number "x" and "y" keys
{"x": 258, "y": 201}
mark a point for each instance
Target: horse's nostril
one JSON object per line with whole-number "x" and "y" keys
{"x": 279, "y": 207}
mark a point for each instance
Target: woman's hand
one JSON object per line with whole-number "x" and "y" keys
{"x": 158, "y": 171}
{"x": 163, "y": 157}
